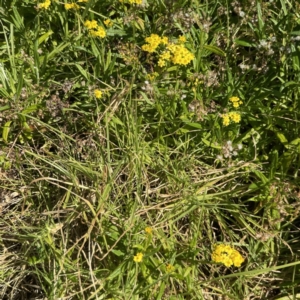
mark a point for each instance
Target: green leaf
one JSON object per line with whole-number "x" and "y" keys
{"x": 44, "y": 37}
{"x": 58, "y": 49}
{"x": 243, "y": 43}
{"x": 30, "y": 109}
{"x": 107, "y": 60}
{"x": 261, "y": 176}
{"x": 139, "y": 24}
{"x": 295, "y": 32}
{"x": 283, "y": 6}
{"x": 210, "y": 144}
{"x": 295, "y": 142}
{"x": 274, "y": 163}
{"x": 17, "y": 19}
{"x": 282, "y": 138}
{"x": 6, "y": 107}
{"x": 118, "y": 252}
{"x": 193, "y": 124}
{"x": 286, "y": 160}
{"x": 214, "y": 49}
{"x": 161, "y": 290}
{"x": 119, "y": 32}
{"x": 116, "y": 272}
{"x": 6, "y": 129}
{"x": 82, "y": 71}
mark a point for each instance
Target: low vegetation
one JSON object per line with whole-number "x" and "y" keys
{"x": 149, "y": 149}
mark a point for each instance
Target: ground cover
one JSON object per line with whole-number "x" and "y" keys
{"x": 149, "y": 149}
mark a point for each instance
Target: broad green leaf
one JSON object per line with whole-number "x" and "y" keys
{"x": 193, "y": 124}
{"x": 161, "y": 291}
{"x": 261, "y": 176}
{"x": 295, "y": 142}
{"x": 117, "y": 252}
{"x": 82, "y": 71}
{"x": 243, "y": 43}
{"x": 282, "y": 138}
{"x": 30, "y": 109}
{"x": 286, "y": 160}
{"x": 107, "y": 60}
{"x": 210, "y": 144}
{"x": 6, "y": 107}
{"x": 6, "y": 129}
{"x": 44, "y": 37}
{"x": 139, "y": 24}
{"x": 214, "y": 49}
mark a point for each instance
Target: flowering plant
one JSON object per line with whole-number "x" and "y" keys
{"x": 227, "y": 255}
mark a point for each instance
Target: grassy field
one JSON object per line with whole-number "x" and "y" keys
{"x": 149, "y": 149}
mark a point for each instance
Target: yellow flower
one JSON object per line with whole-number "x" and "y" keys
{"x": 71, "y": 5}
{"x": 164, "y": 40}
{"x": 153, "y": 42}
{"x": 152, "y": 76}
{"x": 138, "y": 257}
{"x": 235, "y": 117}
{"x": 108, "y": 23}
{"x": 181, "y": 39}
{"x": 166, "y": 55}
{"x": 178, "y": 54}
{"x": 234, "y": 99}
{"x": 231, "y": 116}
{"x": 99, "y": 32}
{"x": 97, "y": 93}
{"x": 139, "y": 2}
{"x": 161, "y": 63}
{"x": 45, "y": 4}
{"x": 169, "y": 268}
{"x": 227, "y": 255}
{"x": 148, "y": 230}
{"x": 181, "y": 55}
{"x": 82, "y": 1}
{"x": 68, "y": 6}
{"x": 149, "y": 48}
{"x": 236, "y": 102}
{"x": 90, "y": 24}
{"x": 237, "y": 258}
{"x": 226, "y": 119}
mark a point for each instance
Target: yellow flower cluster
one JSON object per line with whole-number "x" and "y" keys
{"x": 236, "y": 102}
{"x": 90, "y": 24}
{"x": 148, "y": 230}
{"x": 170, "y": 268}
{"x": 152, "y": 76}
{"x": 138, "y": 257}
{"x": 44, "y": 5}
{"x": 181, "y": 55}
{"x": 165, "y": 56}
{"x": 231, "y": 116}
{"x": 139, "y": 2}
{"x": 181, "y": 39}
{"x": 153, "y": 41}
{"x": 94, "y": 29}
{"x": 71, "y": 6}
{"x": 108, "y": 23}
{"x": 176, "y": 53}
{"x": 227, "y": 255}
{"x": 97, "y": 93}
